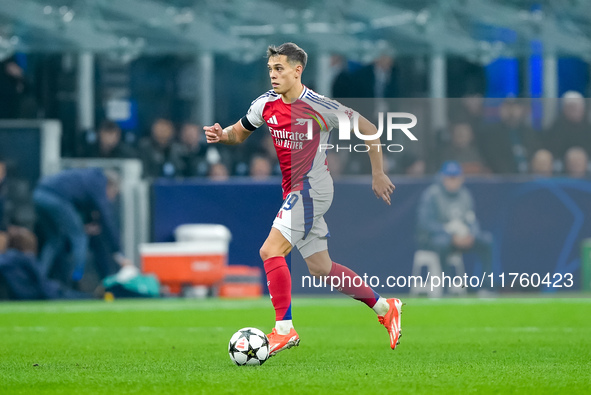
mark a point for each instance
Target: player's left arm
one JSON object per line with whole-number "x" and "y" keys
{"x": 381, "y": 184}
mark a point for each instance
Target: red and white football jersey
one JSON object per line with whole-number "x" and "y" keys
{"x": 303, "y": 164}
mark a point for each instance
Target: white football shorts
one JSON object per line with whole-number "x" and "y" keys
{"x": 301, "y": 221}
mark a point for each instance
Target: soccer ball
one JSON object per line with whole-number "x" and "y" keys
{"x": 248, "y": 346}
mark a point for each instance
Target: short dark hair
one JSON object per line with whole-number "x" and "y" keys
{"x": 293, "y": 53}
{"x": 109, "y": 126}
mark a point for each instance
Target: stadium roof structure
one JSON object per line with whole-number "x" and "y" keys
{"x": 477, "y": 29}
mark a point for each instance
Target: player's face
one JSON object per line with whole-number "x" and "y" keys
{"x": 283, "y": 75}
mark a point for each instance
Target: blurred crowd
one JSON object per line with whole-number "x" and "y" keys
{"x": 73, "y": 226}
{"x": 487, "y": 136}
{"x": 174, "y": 152}
{"x": 504, "y": 136}
{"x": 507, "y": 145}
{"x": 511, "y": 144}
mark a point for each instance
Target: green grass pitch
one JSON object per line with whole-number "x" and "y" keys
{"x": 180, "y": 346}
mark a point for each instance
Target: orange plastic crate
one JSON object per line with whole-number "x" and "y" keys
{"x": 178, "y": 268}
{"x": 241, "y": 282}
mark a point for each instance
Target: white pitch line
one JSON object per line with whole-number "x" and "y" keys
{"x": 264, "y": 303}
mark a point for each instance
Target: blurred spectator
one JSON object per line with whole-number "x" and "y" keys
{"x": 3, "y": 241}
{"x": 195, "y": 153}
{"x": 542, "y": 163}
{"x": 63, "y": 201}
{"x": 417, "y": 168}
{"x": 22, "y": 239}
{"x": 109, "y": 144}
{"x": 16, "y": 207}
{"x": 470, "y": 108}
{"x": 576, "y": 162}
{"x": 473, "y": 109}
{"x": 446, "y": 219}
{"x": 378, "y": 79}
{"x": 218, "y": 172}
{"x": 340, "y": 77}
{"x": 463, "y": 149}
{"x": 571, "y": 129}
{"x": 509, "y": 145}
{"x": 9, "y": 221}
{"x": 260, "y": 167}
{"x": 266, "y": 149}
{"x": 12, "y": 86}
{"x": 3, "y": 220}
{"x": 20, "y": 278}
{"x": 161, "y": 155}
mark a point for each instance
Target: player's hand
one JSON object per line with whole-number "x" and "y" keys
{"x": 213, "y": 134}
{"x": 382, "y": 187}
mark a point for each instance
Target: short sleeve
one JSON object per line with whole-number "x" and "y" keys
{"x": 328, "y": 110}
{"x": 254, "y": 117}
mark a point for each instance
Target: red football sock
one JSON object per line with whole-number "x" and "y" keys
{"x": 348, "y": 282}
{"x": 279, "y": 283}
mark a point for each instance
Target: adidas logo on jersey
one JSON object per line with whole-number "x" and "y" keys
{"x": 272, "y": 120}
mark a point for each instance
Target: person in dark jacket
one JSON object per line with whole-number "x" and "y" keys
{"x": 572, "y": 128}
{"x": 109, "y": 144}
{"x": 62, "y": 202}
{"x": 509, "y": 145}
{"x": 378, "y": 79}
{"x": 194, "y": 154}
{"x": 342, "y": 84}
{"x": 12, "y": 86}
{"x": 462, "y": 148}
{"x": 160, "y": 154}
{"x": 20, "y": 278}
{"x": 446, "y": 219}
{"x": 2, "y": 197}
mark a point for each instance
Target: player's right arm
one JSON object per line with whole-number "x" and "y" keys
{"x": 240, "y": 131}
{"x": 231, "y": 135}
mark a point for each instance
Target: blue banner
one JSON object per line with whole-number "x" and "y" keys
{"x": 537, "y": 224}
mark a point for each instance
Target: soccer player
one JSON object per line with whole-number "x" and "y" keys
{"x": 307, "y": 189}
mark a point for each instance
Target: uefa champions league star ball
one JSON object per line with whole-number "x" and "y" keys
{"x": 248, "y": 346}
